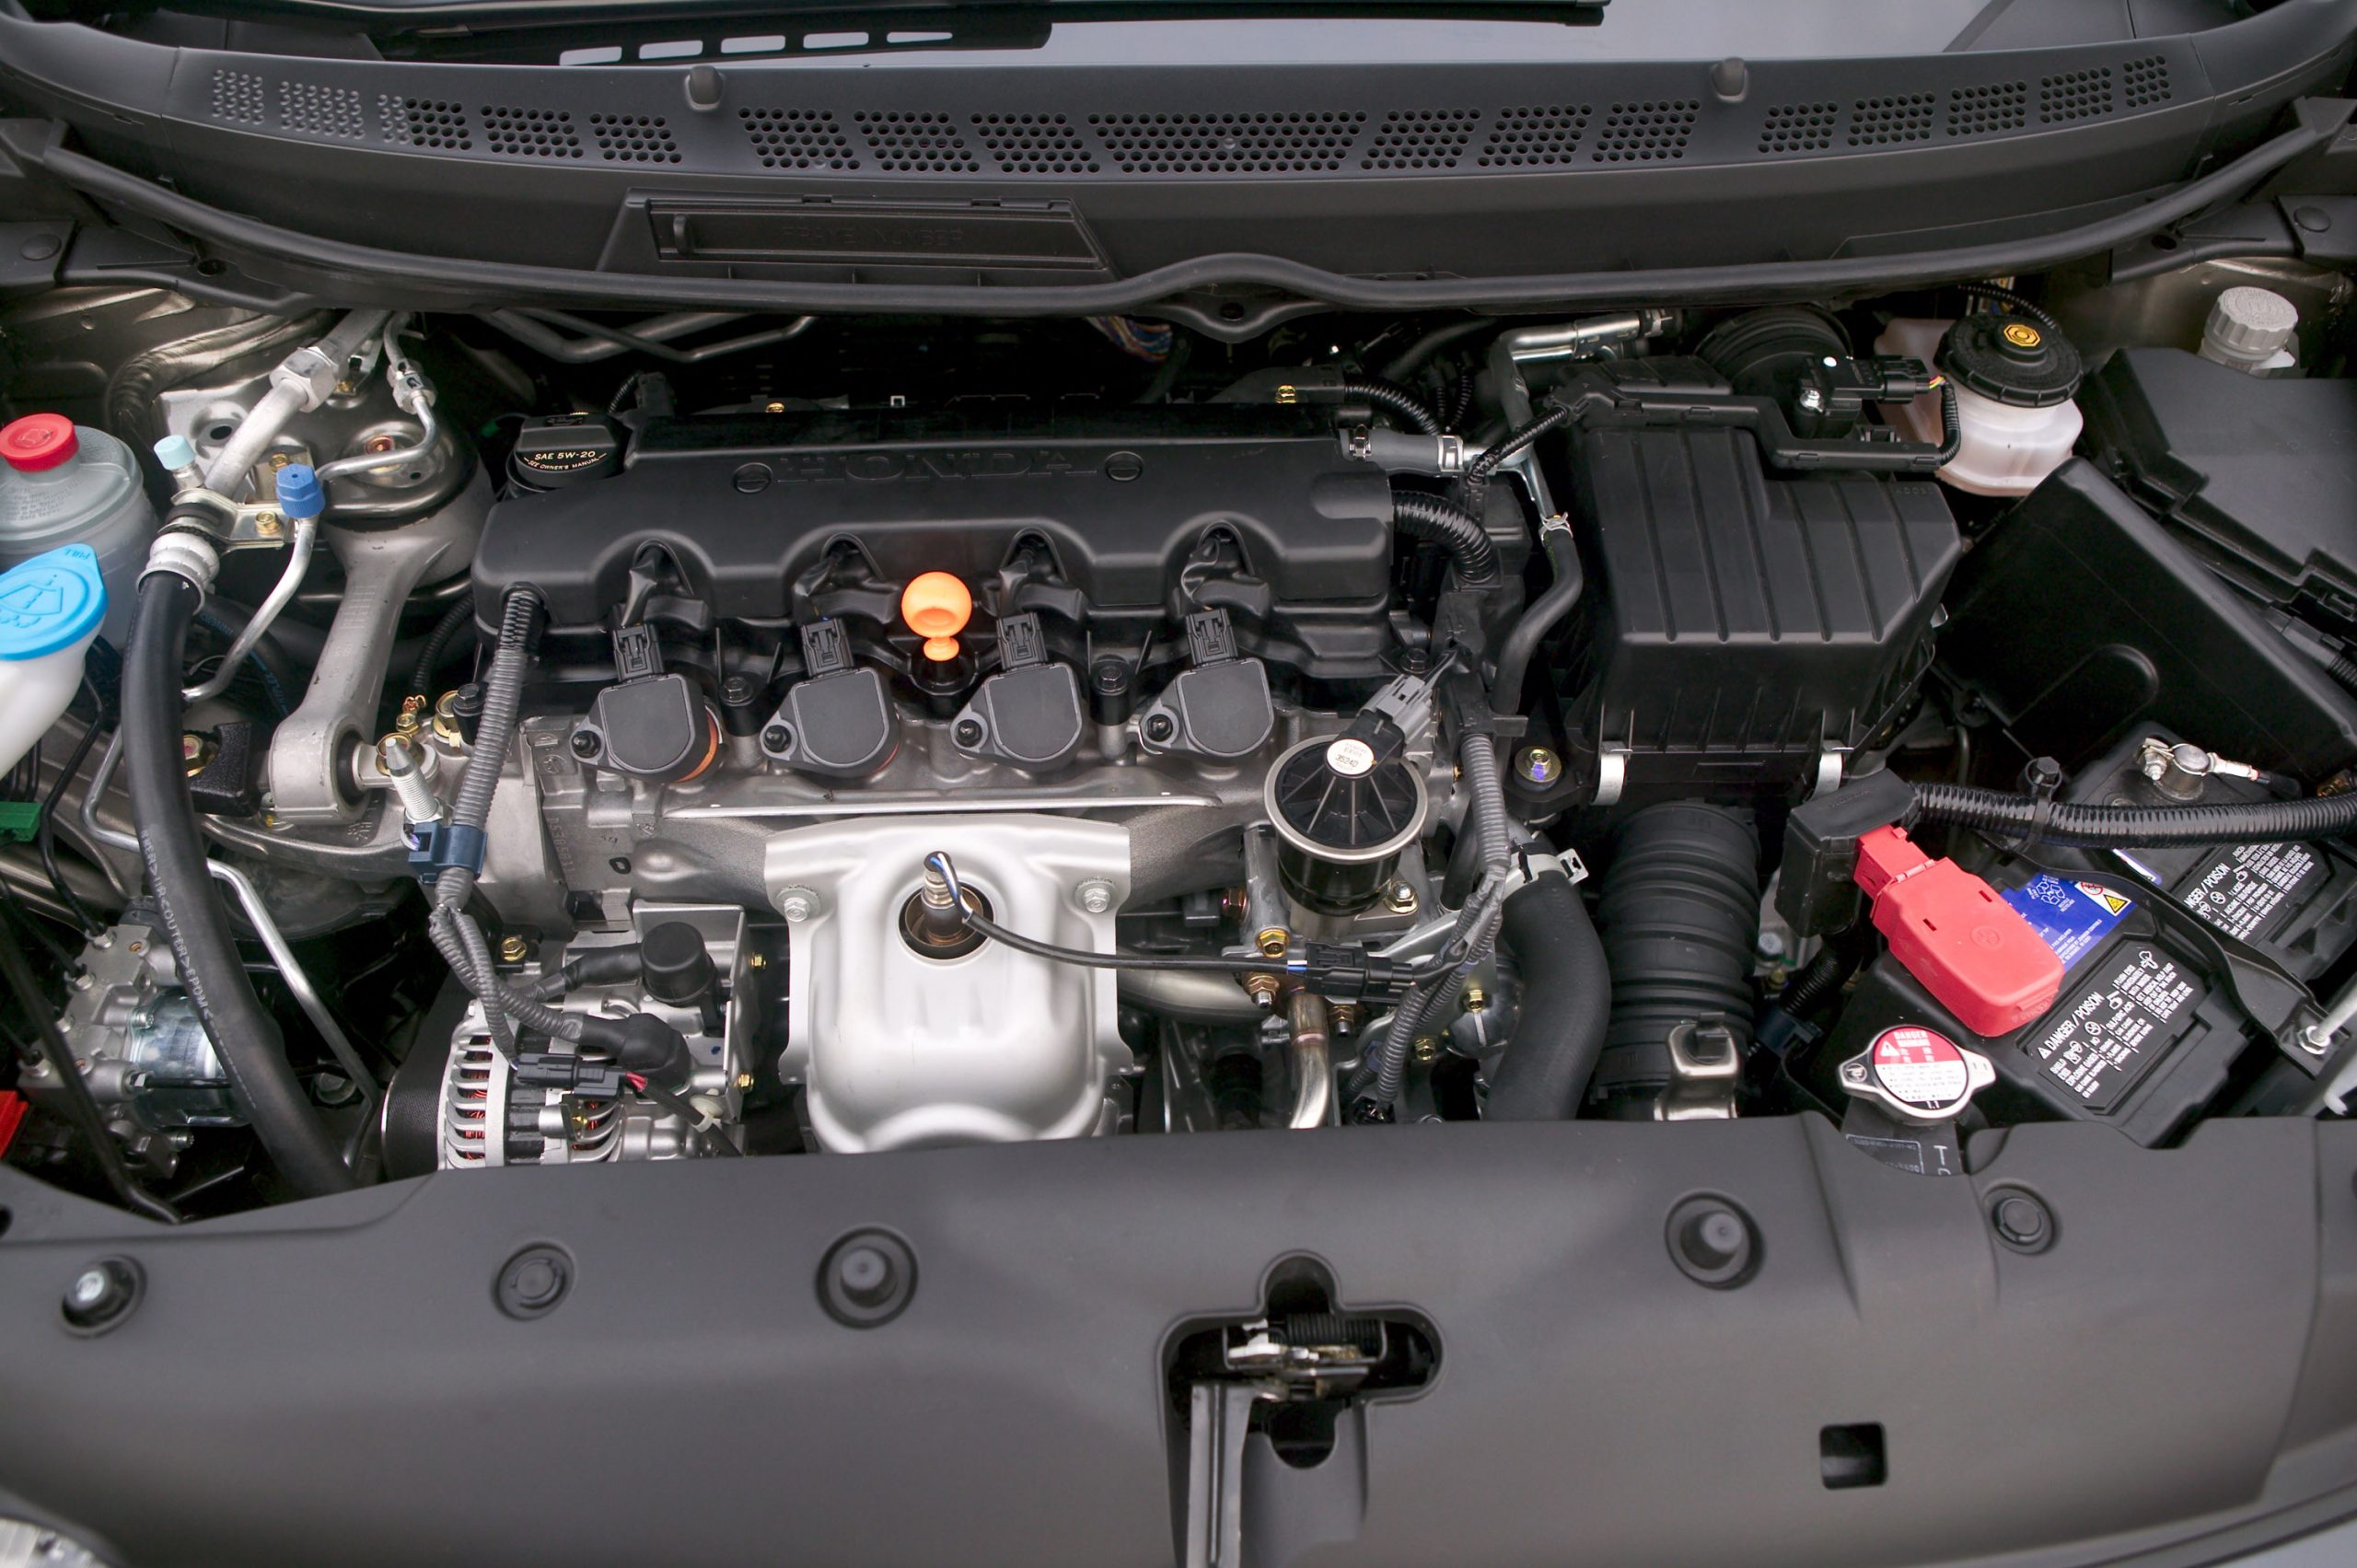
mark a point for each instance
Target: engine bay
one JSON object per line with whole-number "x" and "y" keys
{"x": 701, "y": 736}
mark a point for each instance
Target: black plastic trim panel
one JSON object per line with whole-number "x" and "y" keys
{"x": 337, "y": 1379}
{"x": 1451, "y": 173}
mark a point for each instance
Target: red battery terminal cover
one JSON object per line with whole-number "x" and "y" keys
{"x": 1971, "y": 948}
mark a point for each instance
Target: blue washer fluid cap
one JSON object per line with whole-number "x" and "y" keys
{"x": 51, "y": 602}
{"x": 175, "y": 453}
{"x": 300, "y": 494}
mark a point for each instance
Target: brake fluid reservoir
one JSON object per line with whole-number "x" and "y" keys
{"x": 66, "y": 483}
{"x": 2014, "y": 380}
{"x": 50, "y": 610}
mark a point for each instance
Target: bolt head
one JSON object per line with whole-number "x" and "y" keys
{"x": 744, "y": 1082}
{"x": 1271, "y": 941}
{"x": 90, "y": 1287}
{"x": 776, "y": 736}
{"x": 1095, "y": 897}
{"x": 585, "y": 745}
{"x": 796, "y": 905}
{"x": 267, "y": 525}
{"x": 512, "y": 949}
{"x": 1539, "y": 765}
{"x": 1400, "y": 898}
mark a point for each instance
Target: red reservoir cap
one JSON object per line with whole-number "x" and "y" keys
{"x": 1971, "y": 948}
{"x": 37, "y": 441}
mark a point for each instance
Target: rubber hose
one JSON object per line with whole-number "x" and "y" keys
{"x": 1566, "y": 1005}
{"x": 244, "y": 1036}
{"x": 2136, "y": 826}
{"x": 458, "y": 617}
{"x": 1455, "y": 530}
{"x": 1398, "y": 401}
{"x": 1679, "y": 918}
{"x": 1541, "y": 616}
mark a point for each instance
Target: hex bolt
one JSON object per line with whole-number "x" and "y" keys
{"x": 797, "y": 904}
{"x": 1537, "y": 765}
{"x": 1095, "y": 897}
{"x": 968, "y": 732}
{"x": 90, "y": 1287}
{"x": 1427, "y": 1049}
{"x": 584, "y": 744}
{"x": 777, "y": 737}
{"x": 1400, "y": 898}
{"x": 512, "y": 949}
{"x": 1271, "y": 941}
{"x": 1262, "y": 988}
{"x": 744, "y": 1082}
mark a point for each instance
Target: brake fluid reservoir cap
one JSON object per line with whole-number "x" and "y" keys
{"x": 2011, "y": 359}
{"x": 51, "y": 602}
{"x": 937, "y": 607}
{"x": 37, "y": 441}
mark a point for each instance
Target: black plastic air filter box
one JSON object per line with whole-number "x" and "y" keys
{"x": 2258, "y": 474}
{"x": 2079, "y": 619}
{"x": 1747, "y": 621}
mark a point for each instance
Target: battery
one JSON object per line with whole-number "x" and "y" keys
{"x": 2144, "y": 1034}
{"x": 2294, "y": 903}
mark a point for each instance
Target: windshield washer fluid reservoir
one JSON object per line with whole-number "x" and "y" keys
{"x": 50, "y": 610}
{"x": 65, "y": 483}
{"x": 2014, "y": 380}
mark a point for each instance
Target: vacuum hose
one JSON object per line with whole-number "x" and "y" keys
{"x": 1566, "y": 1001}
{"x": 243, "y": 1034}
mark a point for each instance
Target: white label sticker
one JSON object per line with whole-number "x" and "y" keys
{"x": 1921, "y": 1067}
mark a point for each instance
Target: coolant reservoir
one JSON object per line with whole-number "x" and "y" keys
{"x": 50, "y": 610}
{"x": 65, "y": 483}
{"x": 2014, "y": 380}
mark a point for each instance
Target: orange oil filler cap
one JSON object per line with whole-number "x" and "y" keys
{"x": 936, "y": 606}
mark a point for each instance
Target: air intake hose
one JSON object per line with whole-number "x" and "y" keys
{"x": 1679, "y": 919}
{"x": 244, "y": 1034}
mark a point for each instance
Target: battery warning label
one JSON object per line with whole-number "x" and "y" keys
{"x": 2099, "y": 1043}
{"x": 2248, "y": 890}
{"x": 2069, "y": 917}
